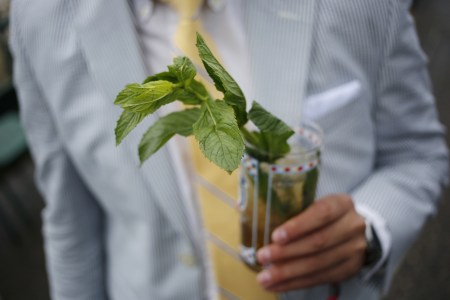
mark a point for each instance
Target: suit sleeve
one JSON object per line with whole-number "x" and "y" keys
{"x": 411, "y": 156}
{"x": 72, "y": 218}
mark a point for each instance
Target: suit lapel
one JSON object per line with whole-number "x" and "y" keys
{"x": 280, "y": 38}
{"x": 111, "y": 47}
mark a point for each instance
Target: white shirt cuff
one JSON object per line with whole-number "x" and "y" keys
{"x": 383, "y": 234}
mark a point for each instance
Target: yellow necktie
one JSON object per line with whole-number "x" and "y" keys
{"x": 216, "y": 189}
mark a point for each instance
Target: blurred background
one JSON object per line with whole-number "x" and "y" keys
{"x": 425, "y": 273}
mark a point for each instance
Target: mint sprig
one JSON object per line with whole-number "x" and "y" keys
{"x": 218, "y": 125}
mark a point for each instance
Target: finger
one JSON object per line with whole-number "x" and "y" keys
{"x": 303, "y": 266}
{"x": 335, "y": 274}
{"x": 349, "y": 226}
{"x": 319, "y": 214}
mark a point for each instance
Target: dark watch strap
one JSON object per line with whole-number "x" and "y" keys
{"x": 374, "y": 252}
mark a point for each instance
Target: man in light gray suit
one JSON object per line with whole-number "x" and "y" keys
{"x": 117, "y": 231}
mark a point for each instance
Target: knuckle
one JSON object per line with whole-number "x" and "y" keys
{"x": 325, "y": 211}
{"x": 319, "y": 241}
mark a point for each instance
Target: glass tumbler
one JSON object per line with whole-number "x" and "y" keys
{"x": 270, "y": 194}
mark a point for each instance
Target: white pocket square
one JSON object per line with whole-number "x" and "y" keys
{"x": 319, "y": 105}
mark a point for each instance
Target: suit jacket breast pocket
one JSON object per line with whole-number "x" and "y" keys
{"x": 320, "y": 105}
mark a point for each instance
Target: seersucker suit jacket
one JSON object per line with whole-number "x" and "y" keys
{"x": 116, "y": 231}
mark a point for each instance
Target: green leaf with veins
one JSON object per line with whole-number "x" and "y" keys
{"x": 182, "y": 94}
{"x": 128, "y": 121}
{"x": 265, "y": 146}
{"x": 266, "y": 122}
{"x": 146, "y": 98}
{"x": 182, "y": 72}
{"x": 255, "y": 144}
{"x": 199, "y": 89}
{"x": 196, "y": 93}
{"x": 165, "y": 128}
{"x": 219, "y": 136}
{"x": 239, "y": 109}
{"x": 276, "y": 145}
{"x": 183, "y": 69}
{"x": 223, "y": 81}
{"x": 274, "y": 134}
{"x": 186, "y": 97}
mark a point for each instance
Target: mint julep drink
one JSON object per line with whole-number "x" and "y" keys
{"x": 272, "y": 193}
{"x": 280, "y": 164}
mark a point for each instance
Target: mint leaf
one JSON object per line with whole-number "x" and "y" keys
{"x": 276, "y": 146}
{"x": 183, "y": 69}
{"x": 265, "y": 146}
{"x": 128, "y": 121}
{"x": 223, "y": 81}
{"x": 187, "y": 97}
{"x": 219, "y": 136}
{"x": 196, "y": 93}
{"x": 266, "y": 122}
{"x": 146, "y": 98}
{"x": 183, "y": 72}
{"x": 272, "y": 140}
{"x": 180, "y": 71}
{"x": 165, "y": 128}
{"x": 239, "y": 108}
{"x": 183, "y": 95}
{"x": 255, "y": 145}
{"x": 199, "y": 89}
{"x": 167, "y": 76}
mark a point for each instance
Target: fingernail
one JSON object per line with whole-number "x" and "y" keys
{"x": 279, "y": 236}
{"x": 264, "y": 277}
{"x": 263, "y": 255}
